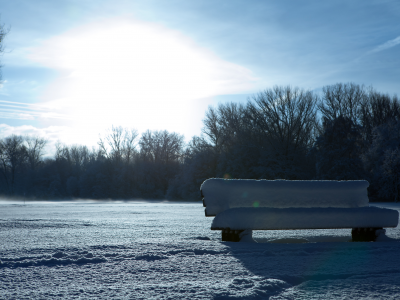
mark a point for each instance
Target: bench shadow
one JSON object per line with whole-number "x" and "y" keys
{"x": 298, "y": 260}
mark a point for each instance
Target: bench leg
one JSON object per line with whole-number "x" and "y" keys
{"x": 231, "y": 235}
{"x": 247, "y": 236}
{"x": 364, "y": 234}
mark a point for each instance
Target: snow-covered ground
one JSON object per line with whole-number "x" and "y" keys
{"x": 166, "y": 250}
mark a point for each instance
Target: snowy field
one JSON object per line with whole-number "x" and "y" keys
{"x": 166, "y": 250}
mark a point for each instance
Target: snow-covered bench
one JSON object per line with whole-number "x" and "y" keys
{"x": 240, "y": 206}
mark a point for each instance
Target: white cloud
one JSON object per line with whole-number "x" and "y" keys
{"x": 134, "y": 74}
{"x": 52, "y": 134}
{"x": 387, "y": 45}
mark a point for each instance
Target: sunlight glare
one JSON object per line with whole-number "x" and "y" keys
{"x": 135, "y": 74}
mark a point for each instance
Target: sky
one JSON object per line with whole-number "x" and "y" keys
{"x": 73, "y": 68}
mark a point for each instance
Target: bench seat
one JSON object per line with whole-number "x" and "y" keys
{"x": 261, "y": 218}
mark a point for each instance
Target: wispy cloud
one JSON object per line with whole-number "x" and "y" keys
{"x": 387, "y": 45}
{"x": 28, "y": 111}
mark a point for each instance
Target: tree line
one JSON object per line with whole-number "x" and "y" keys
{"x": 348, "y": 132}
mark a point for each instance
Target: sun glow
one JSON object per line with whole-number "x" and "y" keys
{"x": 134, "y": 74}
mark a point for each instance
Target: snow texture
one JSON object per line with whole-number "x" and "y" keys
{"x": 222, "y": 194}
{"x": 156, "y": 250}
{"x": 263, "y": 218}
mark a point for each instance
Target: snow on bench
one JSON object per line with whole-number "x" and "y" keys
{"x": 244, "y": 205}
{"x": 222, "y": 194}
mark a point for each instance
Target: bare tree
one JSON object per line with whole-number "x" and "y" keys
{"x": 161, "y": 146}
{"x": 285, "y": 116}
{"x": 129, "y": 144}
{"x": 63, "y": 152}
{"x": 35, "y": 150}
{"x": 119, "y": 143}
{"x": 112, "y": 140}
{"x": 3, "y": 33}
{"x": 379, "y": 109}
{"x": 344, "y": 100}
{"x": 213, "y": 128}
{"x": 59, "y": 149}
{"x": 79, "y": 156}
{"x": 13, "y": 154}
{"x": 223, "y": 125}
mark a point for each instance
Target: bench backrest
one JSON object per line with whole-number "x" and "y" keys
{"x": 222, "y": 194}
